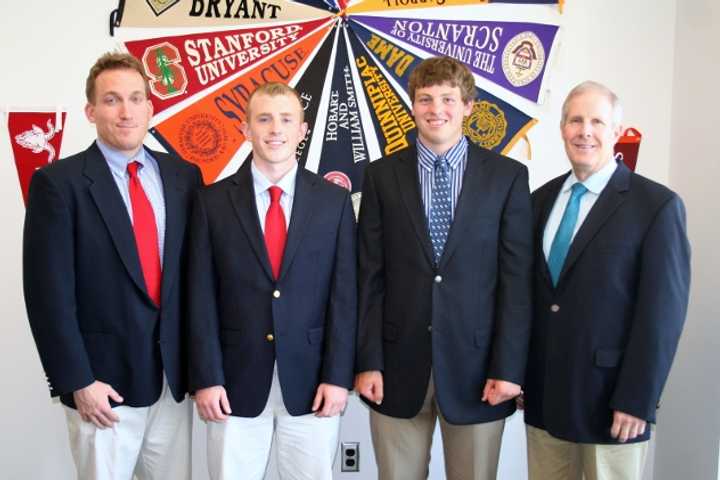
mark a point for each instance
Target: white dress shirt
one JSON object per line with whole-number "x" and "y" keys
{"x": 261, "y": 185}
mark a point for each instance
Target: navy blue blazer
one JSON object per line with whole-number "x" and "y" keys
{"x": 85, "y": 294}
{"x": 242, "y": 321}
{"x": 466, "y": 319}
{"x": 605, "y": 338}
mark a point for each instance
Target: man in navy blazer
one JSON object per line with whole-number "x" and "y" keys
{"x": 103, "y": 286}
{"x": 612, "y": 274}
{"x": 444, "y": 323}
{"x": 272, "y": 303}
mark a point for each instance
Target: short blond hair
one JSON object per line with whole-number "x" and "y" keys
{"x": 274, "y": 89}
{"x": 113, "y": 61}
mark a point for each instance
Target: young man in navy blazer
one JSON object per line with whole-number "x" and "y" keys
{"x": 272, "y": 304}
{"x": 103, "y": 244}
{"x": 612, "y": 274}
{"x": 445, "y": 257}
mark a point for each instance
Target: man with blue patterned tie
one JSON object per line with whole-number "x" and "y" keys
{"x": 611, "y": 291}
{"x": 445, "y": 262}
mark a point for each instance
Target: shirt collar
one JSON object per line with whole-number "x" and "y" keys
{"x": 426, "y": 157}
{"x": 118, "y": 161}
{"x": 596, "y": 182}
{"x": 261, "y": 182}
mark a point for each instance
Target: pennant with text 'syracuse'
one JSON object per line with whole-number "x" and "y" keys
{"x": 181, "y": 66}
{"x": 510, "y": 54}
{"x": 391, "y": 117}
{"x": 209, "y": 131}
{"x": 493, "y": 124}
{"x": 212, "y": 13}
{"x": 36, "y": 138}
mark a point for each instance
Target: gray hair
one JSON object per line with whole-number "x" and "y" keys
{"x": 588, "y": 86}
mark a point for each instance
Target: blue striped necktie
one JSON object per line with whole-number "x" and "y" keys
{"x": 563, "y": 236}
{"x": 440, "y": 208}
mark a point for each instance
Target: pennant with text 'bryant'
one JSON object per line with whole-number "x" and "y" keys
{"x": 211, "y": 13}
{"x": 493, "y": 124}
{"x": 181, "y": 66}
{"x": 36, "y": 138}
{"x": 510, "y": 54}
{"x": 208, "y": 132}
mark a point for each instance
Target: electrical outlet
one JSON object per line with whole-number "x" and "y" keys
{"x": 350, "y": 456}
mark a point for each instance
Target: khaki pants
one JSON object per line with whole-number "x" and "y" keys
{"x": 551, "y": 458}
{"x": 402, "y": 446}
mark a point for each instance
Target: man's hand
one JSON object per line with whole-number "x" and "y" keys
{"x": 370, "y": 385}
{"x": 331, "y": 398}
{"x": 626, "y": 427}
{"x": 213, "y": 404}
{"x": 498, "y": 391}
{"x": 93, "y": 405}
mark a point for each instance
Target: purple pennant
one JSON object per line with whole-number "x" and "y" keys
{"x": 510, "y": 54}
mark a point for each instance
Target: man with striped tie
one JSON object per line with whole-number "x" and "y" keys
{"x": 612, "y": 277}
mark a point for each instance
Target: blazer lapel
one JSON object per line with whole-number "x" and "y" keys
{"x": 300, "y": 217}
{"x": 107, "y": 198}
{"x": 409, "y": 186}
{"x": 610, "y": 199}
{"x": 242, "y": 198}
{"x": 174, "y": 221}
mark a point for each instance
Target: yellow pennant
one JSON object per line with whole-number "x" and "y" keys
{"x": 384, "y": 5}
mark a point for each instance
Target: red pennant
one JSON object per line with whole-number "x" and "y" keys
{"x": 628, "y": 145}
{"x": 35, "y": 141}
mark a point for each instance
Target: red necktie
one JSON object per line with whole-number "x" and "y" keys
{"x": 275, "y": 231}
{"x": 146, "y": 235}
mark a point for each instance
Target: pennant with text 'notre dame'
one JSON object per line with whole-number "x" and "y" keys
{"x": 212, "y": 13}
{"x": 493, "y": 124}
{"x": 209, "y": 131}
{"x": 510, "y": 54}
{"x": 381, "y": 5}
{"x": 36, "y": 138}
{"x": 181, "y": 66}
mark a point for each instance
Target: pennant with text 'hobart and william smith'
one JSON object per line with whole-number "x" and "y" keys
{"x": 510, "y": 54}
{"x": 209, "y": 131}
{"x": 181, "y": 66}
{"x": 36, "y": 138}
{"x": 493, "y": 124}
{"x": 211, "y": 13}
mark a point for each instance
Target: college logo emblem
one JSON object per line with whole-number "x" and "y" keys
{"x": 167, "y": 76}
{"x": 523, "y": 59}
{"x": 159, "y": 6}
{"x": 486, "y": 125}
{"x": 339, "y": 178}
{"x": 38, "y": 140}
{"x": 202, "y": 138}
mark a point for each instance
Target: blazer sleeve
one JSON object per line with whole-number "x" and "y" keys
{"x": 205, "y": 353}
{"x": 371, "y": 279}
{"x": 49, "y": 286}
{"x": 513, "y": 301}
{"x": 341, "y": 322}
{"x": 659, "y": 315}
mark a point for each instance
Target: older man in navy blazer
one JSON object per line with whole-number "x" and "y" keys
{"x": 612, "y": 277}
{"x": 103, "y": 244}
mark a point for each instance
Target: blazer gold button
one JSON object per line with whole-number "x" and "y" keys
{"x": 555, "y": 308}
{"x": 276, "y": 294}
{"x": 429, "y": 328}
{"x": 438, "y": 279}
{"x": 269, "y": 337}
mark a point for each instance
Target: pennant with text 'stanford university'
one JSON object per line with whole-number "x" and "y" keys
{"x": 213, "y": 13}
{"x": 209, "y": 131}
{"x": 181, "y": 66}
{"x": 36, "y": 138}
{"x": 493, "y": 124}
{"x": 510, "y": 54}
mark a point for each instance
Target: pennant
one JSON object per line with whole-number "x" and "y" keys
{"x": 510, "y": 54}
{"x": 181, "y": 66}
{"x": 493, "y": 124}
{"x": 208, "y": 132}
{"x": 329, "y": 5}
{"x": 211, "y": 13}
{"x": 628, "y": 147}
{"x": 36, "y": 138}
{"x": 385, "y": 5}
{"x": 394, "y": 125}
{"x": 559, "y": 3}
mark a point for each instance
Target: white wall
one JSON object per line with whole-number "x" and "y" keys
{"x": 47, "y": 47}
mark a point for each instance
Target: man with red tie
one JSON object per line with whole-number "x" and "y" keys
{"x": 103, "y": 243}
{"x": 272, "y": 303}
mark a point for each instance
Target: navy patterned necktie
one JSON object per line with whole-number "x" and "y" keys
{"x": 440, "y": 207}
